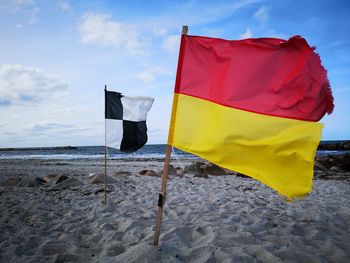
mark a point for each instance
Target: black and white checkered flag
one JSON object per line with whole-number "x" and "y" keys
{"x": 125, "y": 117}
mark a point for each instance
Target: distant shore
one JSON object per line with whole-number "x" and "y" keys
{"x": 40, "y": 148}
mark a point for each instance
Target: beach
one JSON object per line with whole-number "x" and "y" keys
{"x": 213, "y": 218}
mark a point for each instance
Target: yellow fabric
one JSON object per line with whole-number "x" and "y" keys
{"x": 278, "y": 152}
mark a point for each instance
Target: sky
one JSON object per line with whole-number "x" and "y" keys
{"x": 56, "y": 57}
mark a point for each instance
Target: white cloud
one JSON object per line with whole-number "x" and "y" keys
{"x": 27, "y": 8}
{"x": 203, "y": 12}
{"x": 43, "y": 127}
{"x": 159, "y": 31}
{"x": 146, "y": 76}
{"x": 33, "y": 15}
{"x": 246, "y": 34}
{"x": 100, "y": 29}
{"x": 192, "y": 13}
{"x": 171, "y": 43}
{"x": 24, "y": 85}
{"x": 150, "y": 75}
{"x": 214, "y": 32}
{"x": 13, "y": 6}
{"x": 273, "y": 33}
{"x": 64, "y": 6}
{"x": 262, "y": 14}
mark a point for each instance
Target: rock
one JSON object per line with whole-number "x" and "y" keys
{"x": 335, "y": 169}
{"x": 212, "y": 169}
{"x": 143, "y": 172}
{"x": 50, "y": 178}
{"x": 319, "y": 174}
{"x": 342, "y": 161}
{"x": 70, "y": 182}
{"x": 13, "y": 181}
{"x": 201, "y": 175}
{"x": 242, "y": 175}
{"x": 100, "y": 179}
{"x": 40, "y": 181}
{"x": 346, "y": 146}
{"x": 194, "y": 167}
{"x": 31, "y": 183}
{"x": 319, "y": 166}
{"x": 151, "y": 173}
{"x": 330, "y": 160}
{"x": 230, "y": 172}
{"x": 180, "y": 172}
{"x": 61, "y": 178}
{"x": 171, "y": 170}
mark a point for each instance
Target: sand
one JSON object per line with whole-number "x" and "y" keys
{"x": 215, "y": 219}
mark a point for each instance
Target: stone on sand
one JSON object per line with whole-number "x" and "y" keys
{"x": 195, "y": 167}
{"x": 178, "y": 171}
{"x": 212, "y": 169}
{"x": 31, "y": 183}
{"x": 100, "y": 179}
{"x": 149, "y": 173}
{"x": 50, "y": 178}
{"x": 70, "y": 182}
{"x": 201, "y": 175}
{"x": 339, "y": 160}
{"x": 61, "y": 178}
{"x": 152, "y": 173}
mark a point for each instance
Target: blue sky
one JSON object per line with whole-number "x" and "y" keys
{"x": 56, "y": 57}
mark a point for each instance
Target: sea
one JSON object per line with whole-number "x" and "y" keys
{"x": 152, "y": 151}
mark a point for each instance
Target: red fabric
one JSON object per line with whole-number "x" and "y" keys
{"x": 265, "y": 75}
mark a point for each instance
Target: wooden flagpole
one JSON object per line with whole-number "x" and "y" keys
{"x": 162, "y": 194}
{"x": 105, "y": 148}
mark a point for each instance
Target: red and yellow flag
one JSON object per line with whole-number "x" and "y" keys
{"x": 252, "y": 106}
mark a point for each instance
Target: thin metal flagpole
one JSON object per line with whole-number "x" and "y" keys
{"x": 105, "y": 148}
{"x": 162, "y": 194}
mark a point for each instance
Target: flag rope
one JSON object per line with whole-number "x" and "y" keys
{"x": 178, "y": 160}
